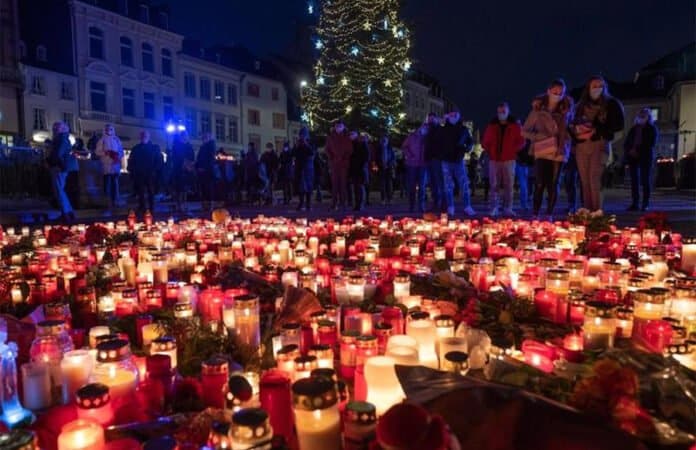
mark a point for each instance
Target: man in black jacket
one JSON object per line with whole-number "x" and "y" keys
{"x": 456, "y": 142}
{"x": 60, "y": 161}
{"x": 144, "y": 164}
{"x": 433, "y": 161}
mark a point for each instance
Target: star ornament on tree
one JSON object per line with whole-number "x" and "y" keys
{"x": 344, "y": 81}
{"x": 380, "y": 60}
{"x": 388, "y": 83}
{"x": 367, "y": 25}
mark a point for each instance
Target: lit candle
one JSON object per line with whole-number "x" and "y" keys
{"x": 81, "y": 434}
{"x": 285, "y": 359}
{"x": 424, "y": 332}
{"x": 688, "y": 255}
{"x": 94, "y": 403}
{"x": 317, "y": 418}
{"x": 115, "y": 369}
{"x": 383, "y": 387}
{"x": 450, "y": 344}
{"x": 76, "y": 367}
{"x": 246, "y": 317}
{"x": 356, "y": 288}
{"x": 599, "y": 327}
{"x": 402, "y": 286}
{"x": 165, "y": 345}
{"x": 324, "y": 354}
{"x": 36, "y": 385}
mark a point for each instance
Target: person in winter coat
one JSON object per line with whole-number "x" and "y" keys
{"x": 207, "y": 170}
{"x": 250, "y": 167}
{"x": 386, "y": 167}
{"x": 433, "y": 161}
{"x": 60, "y": 161}
{"x": 456, "y": 142}
{"x": 547, "y": 129}
{"x": 639, "y": 153}
{"x": 270, "y": 159}
{"x": 144, "y": 165}
{"x": 414, "y": 160}
{"x": 502, "y": 139}
{"x": 598, "y": 116}
{"x": 303, "y": 155}
{"x": 182, "y": 165}
{"x": 338, "y": 149}
{"x": 358, "y": 168}
{"x": 110, "y": 152}
{"x": 285, "y": 173}
{"x": 524, "y": 162}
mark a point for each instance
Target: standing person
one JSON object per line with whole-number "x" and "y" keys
{"x": 60, "y": 161}
{"x": 338, "y": 149}
{"x": 571, "y": 181}
{"x": 358, "y": 167}
{"x": 110, "y": 152}
{"x": 433, "y": 161}
{"x": 524, "y": 162}
{"x": 401, "y": 175}
{"x": 456, "y": 141}
{"x": 270, "y": 160}
{"x": 285, "y": 173}
{"x": 502, "y": 139}
{"x": 303, "y": 155}
{"x": 182, "y": 168}
{"x": 639, "y": 153}
{"x": 547, "y": 128}
{"x": 250, "y": 165}
{"x": 598, "y": 116}
{"x": 144, "y": 165}
{"x": 414, "y": 160}
{"x": 207, "y": 170}
{"x": 386, "y": 164}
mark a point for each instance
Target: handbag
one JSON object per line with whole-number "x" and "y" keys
{"x": 546, "y": 148}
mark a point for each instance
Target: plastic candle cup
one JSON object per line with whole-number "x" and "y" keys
{"x": 165, "y": 345}
{"x": 317, "y": 419}
{"x": 94, "y": 403}
{"x": 214, "y": 375}
{"x": 115, "y": 369}
{"x": 599, "y": 327}
{"x": 424, "y": 332}
{"x": 81, "y": 434}
{"x": 251, "y": 429}
{"x": 247, "y": 322}
{"x": 36, "y": 385}
{"x": 76, "y": 367}
{"x": 275, "y": 398}
{"x": 383, "y": 387}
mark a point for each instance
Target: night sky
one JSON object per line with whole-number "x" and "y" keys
{"x": 482, "y": 51}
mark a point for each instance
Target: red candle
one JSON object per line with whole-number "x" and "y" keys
{"x": 393, "y": 316}
{"x": 360, "y": 385}
{"x": 140, "y": 322}
{"x": 545, "y": 303}
{"x": 657, "y": 335}
{"x": 539, "y": 355}
{"x": 572, "y": 347}
{"x": 214, "y": 375}
{"x": 276, "y": 399}
{"x": 306, "y": 338}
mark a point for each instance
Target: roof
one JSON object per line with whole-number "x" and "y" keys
{"x": 52, "y": 29}
{"x": 158, "y": 15}
{"x": 232, "y": 56}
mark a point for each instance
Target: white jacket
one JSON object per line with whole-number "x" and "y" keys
{"x": 104, "y": 146}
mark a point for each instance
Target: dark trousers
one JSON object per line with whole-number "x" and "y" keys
{"x": 641, "y": 175}
{"x": 145, "y": 188}
{"x": 571, "y": 183}
{"x": 358, "y": 195}
{"x": 286, "y": 185}
{"x": 386, "y": 185}
{"x": 207, "y": 187}
{"x": 415, "y": 183}
{"x": 111, "y": 188}
{"x": 546, "y": 179}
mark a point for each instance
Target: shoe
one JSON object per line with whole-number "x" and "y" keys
{"x": 469, "y": 211}
{"x": 495, "y": 212}
{"x": 509, "y": 212}
{"x": 632, "y": 208}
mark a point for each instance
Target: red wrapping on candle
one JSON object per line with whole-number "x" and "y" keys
{"x": 214, "y": 375}
{"x": 140, "y": 322}
{"x": 276, "y": 399}
{"x": 394, "y": 317}
{"x": 360, "y": 385}
{"x": 306, "y": 338}
{"x": 657, "y": 335}
{"x": 545, "y": 303}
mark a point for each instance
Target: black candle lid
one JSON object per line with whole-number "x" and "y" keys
{"x": 92, "y": 395}
{"x": 18, "y": 440}
{"x": 314, "y": 393}
{"x": 113, "y": 351}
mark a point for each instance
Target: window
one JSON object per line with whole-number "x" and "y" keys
{"x": 39, "y": 119}
{"x": 167, "y": 70}
{"x": 67, "y": 90}
{"x": 126, "y": 51}
{"x": 41, "y": 54}
{"x": 205, "y": 122}
{"x": 659, "y": 82}
{"x": 279, "y": 142}
{"x": 205, "y": 89}
{"x": 97, "y": 96}
{"x": 275, "y": 93}
{"x": 219, "y": 92}
{"x": 189, "y": 85}
{"x": 96, "y": 43}
{"x": 38, "y": 85}
{"x": 128, "y": 98}
{"x": 148, "y": 58}
{"x": 148, "y": 105}
{"x": 219, "y": 127}
{"x": 254, "y": 117}
{"x": 279, "y": 121}
{"x": 191, "y": 121}
{"x": 69, "y": 120}
{"x": 22, "y": 49}
{"x": 232, "y": 94}
{"x": 167, "y": 107}
{"x": 253, "y": 90}
{"x": 256, "y": 140}
{"x": 233, "y": 129}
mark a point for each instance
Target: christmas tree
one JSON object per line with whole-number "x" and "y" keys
{"x": 362, "y": 48}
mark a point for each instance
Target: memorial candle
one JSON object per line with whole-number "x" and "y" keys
{"x": 76, "y": 367}
{"x": 251, "y": 430}
{"x": 688, "y": 255}
{"x": 599, "y": 327}
{"x": 36, "y": 385}
{"x": 317, "y": 418}
{"x": 383, "y": 387}
{"x": 402, "y": 286}
{"x": 165, "y": 345}
{"x": 246, "y": 316}
{"x": 94, "y": 403}
{"x": 214, "y": 375}
{"x": 424, "y": 332}
{"x": 276, "y": 398}
{"x": 115, "y": 369}
{"x": 81, "y": 434}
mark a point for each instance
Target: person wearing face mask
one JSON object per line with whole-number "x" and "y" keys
{"x": 547, "y": 129}
{"x": 456, "y": 142}
{"x": 598, "y": 116}
{"x": 433, "y": 161}
{"x": 338, "y": 149}
{"x": 414, "y": 160}
{"x": 639, "y": 153}
{"x": 110, "y": 152}
{"x": 502, "y": 139}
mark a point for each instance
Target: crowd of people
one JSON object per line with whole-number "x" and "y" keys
{"x": 436, "y": 170}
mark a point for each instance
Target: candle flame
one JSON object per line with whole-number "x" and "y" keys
{"x": 317, "y": 414}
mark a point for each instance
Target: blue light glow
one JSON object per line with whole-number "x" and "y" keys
{"x": 355, "y": 50}
{"x": 374, "y": 112}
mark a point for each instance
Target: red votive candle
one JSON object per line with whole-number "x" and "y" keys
{"x": 94, "y": 403}
{"x": 545, "y": 303}
{"x": 140, "y": 322}
{"x": 214, "y": 375}
{"x": 276, "y": 399}
{"x": 393, "y": 316}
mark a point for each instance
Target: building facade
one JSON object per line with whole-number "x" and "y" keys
{"x": 422, "y": 96}
{"x": 264, "y": 111}
{"x": 10, "y": 77}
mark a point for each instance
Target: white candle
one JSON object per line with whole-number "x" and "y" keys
{"x": 317, "y": 418}
{"x": 36, "y": 385}
{"x": 450, "y": 344}
{"x": 76, "y": 368}
{"x": 81, "y": 434}
{"x": 121, "y": 382}
{"x": 424, "y": 332}
{"x": 688, "y": 257}
{"x": 150, "y": 332}
{"x": 383, "y": 387}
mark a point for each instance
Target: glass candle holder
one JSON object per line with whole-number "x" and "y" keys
{"x": 402, "y": 286}
{"x": 382, "y": 332}
{"x": 75, "y": 367}
{"x": 383, "y": 387}
{"x": 359, "y": 425}
{"x": 251, "y": 429}
{"x": 648, "y": 305}
{"x": 81, "y": 434}
{"x": 558, "y": 281}
{"x": 599, "y": 326}
{"x": 366, "y": 346}
{"x": 450, "y": 344}
{"x": 183, "y": 310}
{"x": 327, "y": 333}
{"x": 94, "y": 404}
{"x": 304, "y": 366}
{"x": 247, "y": 321}
{"x": 624, "y": 322}
{"x": 356, "y": 288}
{"x": 57, "y": 329}
{"x": 290, "y": 333}
{"x": 285, "y": 359}
{"x": 36, "y": 385}
{"x": 457, "y": 362}
{"x": 324, "y": 355}
{"x": 214, "y": 375}
{"x": 115, "y": 369}
{"x": 348, "y": 348}
{"x": 276, "y": 398}
{"x": 165, "y": 345}
{"x": 317, "y": 419}
{"x": 424, "y": 332}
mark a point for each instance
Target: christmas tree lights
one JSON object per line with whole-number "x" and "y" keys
{"x": 362, "y": 59}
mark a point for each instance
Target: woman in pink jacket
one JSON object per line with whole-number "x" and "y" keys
{"x": 414, "y": 158}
